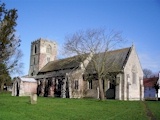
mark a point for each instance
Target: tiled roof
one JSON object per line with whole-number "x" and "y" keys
{"x": 67, "y": 63}
{"x": 115, "y": 61}
{"x": 150, "y": 82}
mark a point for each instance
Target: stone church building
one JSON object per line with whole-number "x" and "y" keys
{"x": 66, "y": 77}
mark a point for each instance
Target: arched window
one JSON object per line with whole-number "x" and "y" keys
{"x": 134, "y": 74}
{"x": 49, "y": 49}
{"x": 35, "y": 49}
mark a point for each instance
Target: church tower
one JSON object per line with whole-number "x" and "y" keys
{"x": 42, "y": 51}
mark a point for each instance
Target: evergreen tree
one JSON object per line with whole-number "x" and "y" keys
{"x": 9, "y": 43}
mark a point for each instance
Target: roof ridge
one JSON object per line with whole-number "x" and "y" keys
{"x": 119, "y": 49}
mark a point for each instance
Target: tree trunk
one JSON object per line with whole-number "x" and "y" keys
{"x": 101, "y": 92}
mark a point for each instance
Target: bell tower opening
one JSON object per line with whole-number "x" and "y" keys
{"x": 35, "y": 49}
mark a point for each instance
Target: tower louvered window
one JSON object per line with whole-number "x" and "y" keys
{"x": 49, "y": 49}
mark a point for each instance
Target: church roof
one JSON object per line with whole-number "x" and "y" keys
{"x": 67, "y": 63}
{"x": 116, "y": 58}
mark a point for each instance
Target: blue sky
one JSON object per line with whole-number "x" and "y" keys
{"x": 139, "y": 21}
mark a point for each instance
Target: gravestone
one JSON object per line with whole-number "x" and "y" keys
{"x": 33, "y": 98}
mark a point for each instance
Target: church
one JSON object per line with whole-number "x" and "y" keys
{"x": 65, "y": 78}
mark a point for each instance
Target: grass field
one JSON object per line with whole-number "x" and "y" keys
{"x": 19, "y": 108}
{"x": 154, "y": 106}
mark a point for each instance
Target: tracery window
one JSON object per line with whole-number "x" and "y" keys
{"x": 76, "y": 85}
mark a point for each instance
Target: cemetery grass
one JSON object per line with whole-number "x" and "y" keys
{"x": 154, "y": 107}
{"x": 13, "y": 108}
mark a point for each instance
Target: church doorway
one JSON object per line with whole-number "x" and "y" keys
{"x": 110, "y": 93}
{"x": 17, "y": 89}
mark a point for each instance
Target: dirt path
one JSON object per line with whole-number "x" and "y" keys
{"x": 148, "y": 112}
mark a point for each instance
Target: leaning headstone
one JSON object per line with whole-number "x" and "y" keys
{"x": 33, "y": 98}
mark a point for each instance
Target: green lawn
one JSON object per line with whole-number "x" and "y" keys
{"x": 154, "y": 106}
{"x": 19, "y": 108}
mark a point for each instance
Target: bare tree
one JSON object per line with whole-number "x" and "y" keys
{"x": 147, "y": 73}
{"x": 97, "y": 42}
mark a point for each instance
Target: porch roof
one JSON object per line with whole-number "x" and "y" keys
{"x": 27, "y": 79}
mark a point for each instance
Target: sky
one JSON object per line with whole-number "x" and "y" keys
{"x": 138, "y": 20}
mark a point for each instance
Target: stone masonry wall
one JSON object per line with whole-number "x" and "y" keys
{"x": 133, "y": 66}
